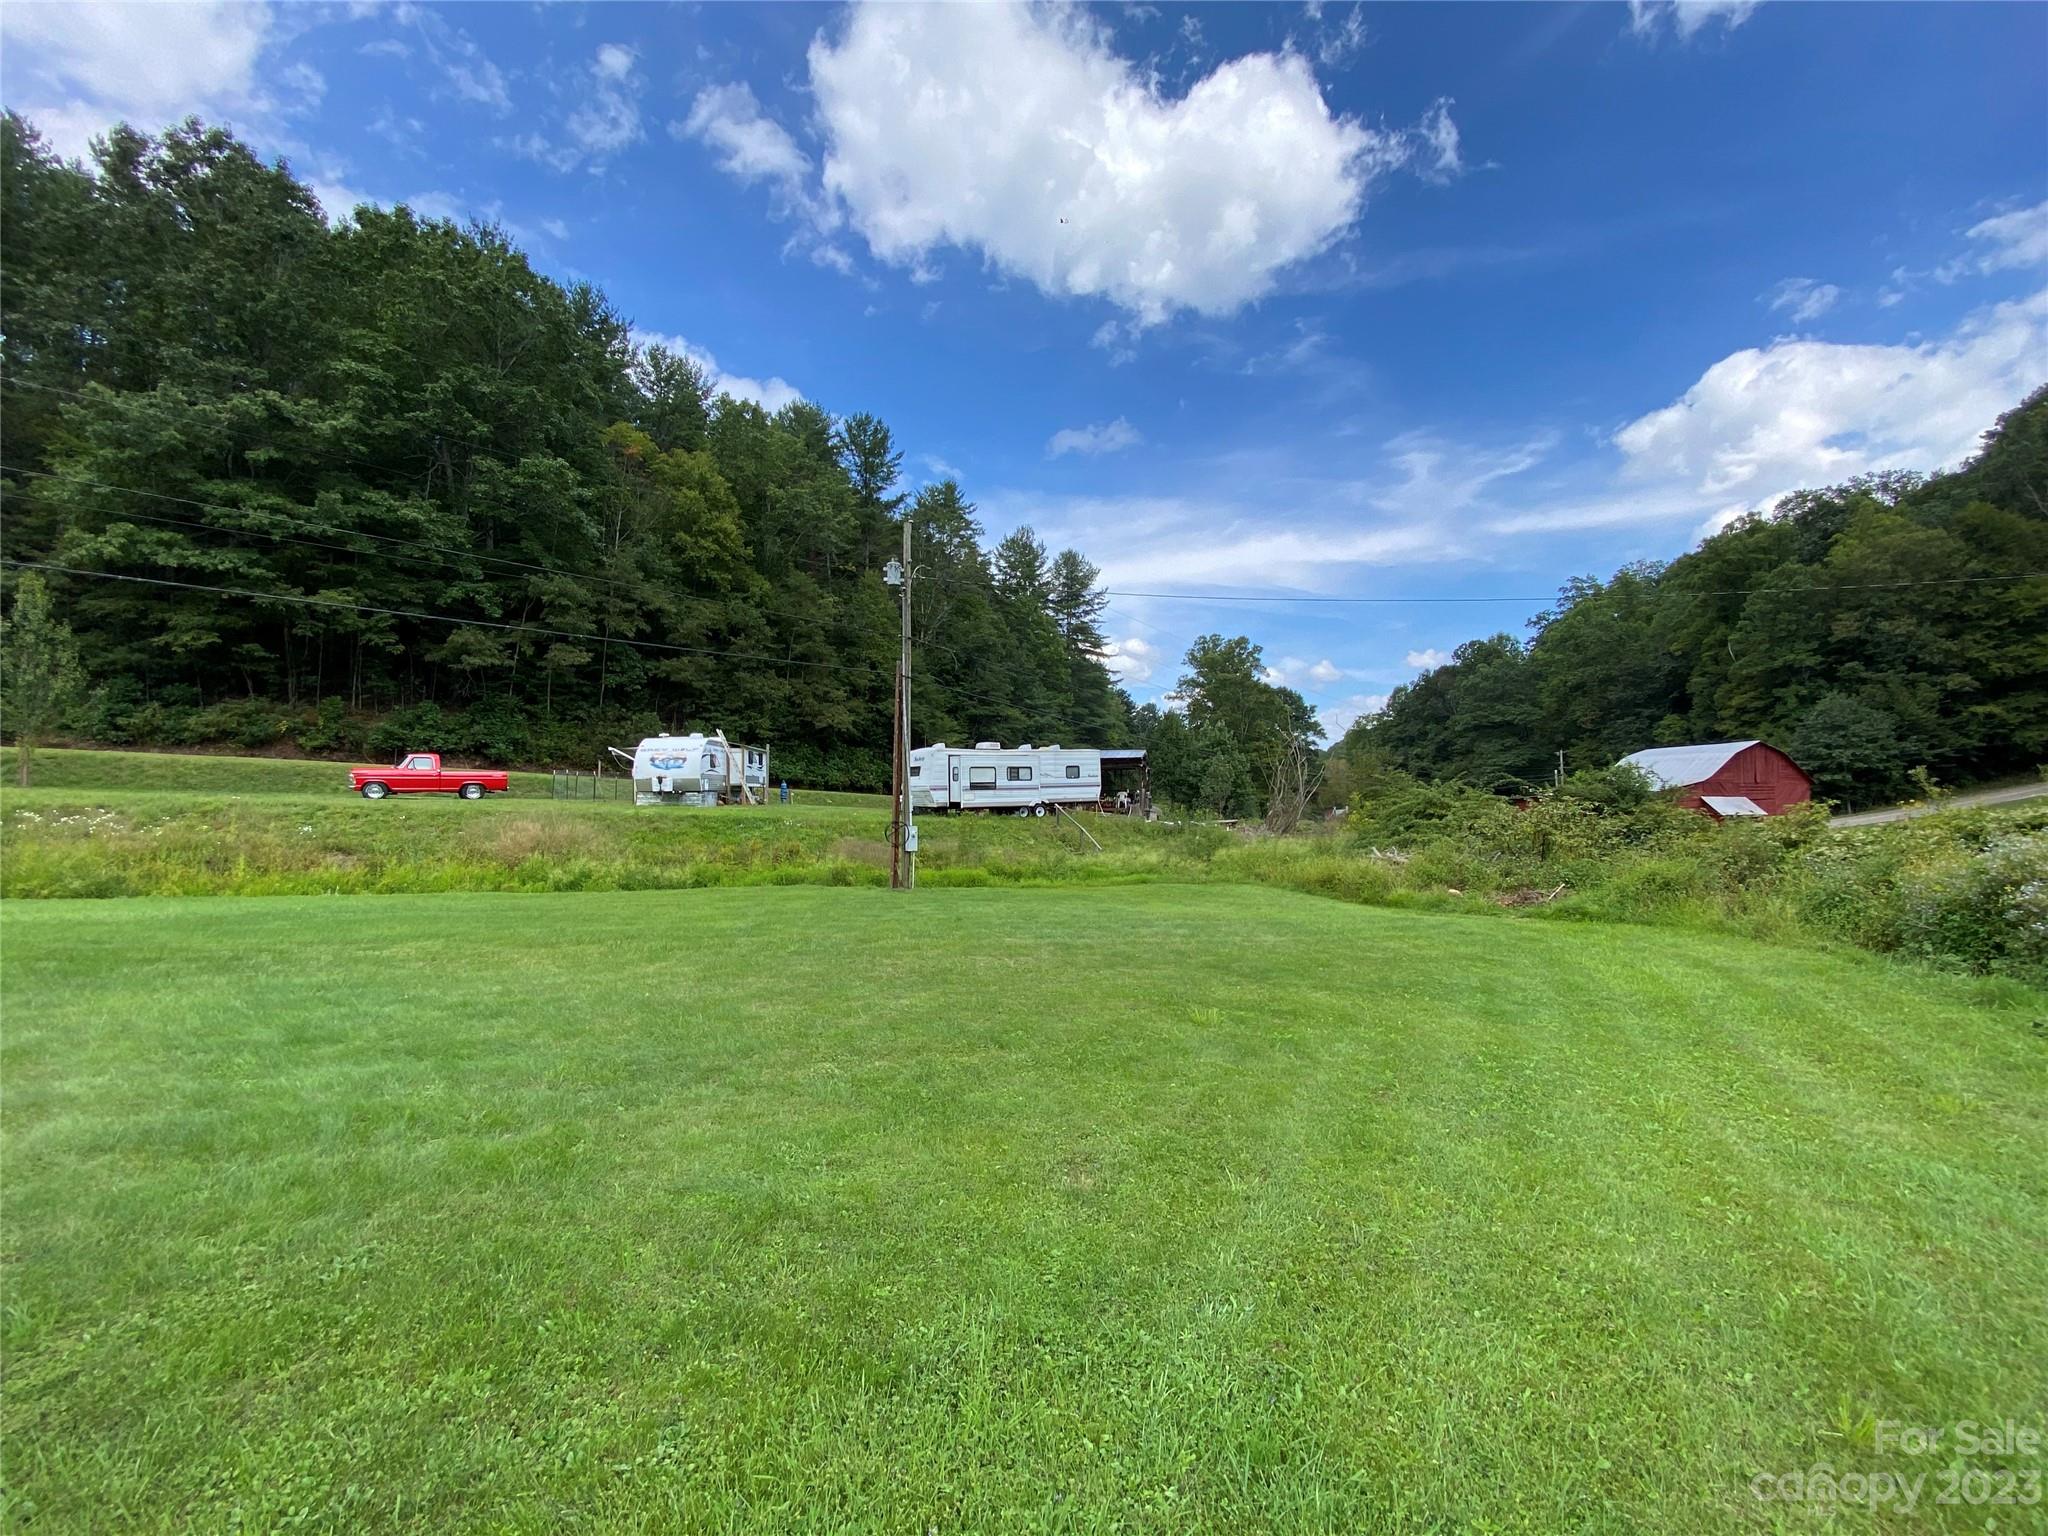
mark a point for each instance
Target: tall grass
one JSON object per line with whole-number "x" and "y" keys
{"x": 1962, "y": 889}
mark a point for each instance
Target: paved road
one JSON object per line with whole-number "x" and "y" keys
{"x": 2004, "y": 796}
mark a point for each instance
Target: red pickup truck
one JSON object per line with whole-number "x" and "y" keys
{"x": 421, "y": 773}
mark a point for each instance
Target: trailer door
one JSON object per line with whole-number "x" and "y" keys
{"x": 978, "y": 789}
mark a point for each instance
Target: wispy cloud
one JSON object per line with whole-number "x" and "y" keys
{"x": 1802, "y": 298}
{"x": 1107, "y": 437}
{"x": 603, "y": 122}
{"x": 1687, "y": 18}
{"x": 2014, "y": 240}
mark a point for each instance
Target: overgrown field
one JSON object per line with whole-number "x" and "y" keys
{"x": 1962, "y": 889}
{"x": 219, "y": 774}
{"x": 1154, "y": 1209}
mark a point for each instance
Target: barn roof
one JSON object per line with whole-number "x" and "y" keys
{"x": 1670, "y": 767}
{"x": 1733, "y": 805}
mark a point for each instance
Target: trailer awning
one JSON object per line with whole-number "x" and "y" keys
{"x": 1123, "y": 755}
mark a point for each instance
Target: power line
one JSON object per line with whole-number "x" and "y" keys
{"x": 447, "y": 555}
{"x": 1846, "y": 586}
{"x": 468, "y": 623}
{"x": 248, "y": 393}
{"x": 1187, "y": 597}
{"x": 441, "y": 554}
{"x": 305, "y": 522}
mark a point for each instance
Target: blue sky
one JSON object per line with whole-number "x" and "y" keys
{"x": 1408, "y": 300}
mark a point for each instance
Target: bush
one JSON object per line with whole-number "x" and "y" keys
{"x": 1987, "y": 912}
{"x": 249, "y": 723}
{"x": 494, "y": 729}
{"x": 330, "y": 728}
{"x": 415, "y": 728}
{"x": 108, "y": 713}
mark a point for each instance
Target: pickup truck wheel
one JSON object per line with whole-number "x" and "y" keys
{"x": 375, "y": 791}
{"x": 471, "y": 791}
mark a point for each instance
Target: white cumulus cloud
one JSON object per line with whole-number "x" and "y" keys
{"x": 1340, "y": 717}
{"x": 1804, "y": 414}
{"x": 1018, "y": 133}
{"x": 1423, "y": 661}
{"x": 74, "y": 70}
{"x": 771, "y": 394}
{"x": 1297, "y": 672}
{"x": 1132, "y": 659}
{"x": 1767, "y": 420}
{"x": 1108, "y": 437}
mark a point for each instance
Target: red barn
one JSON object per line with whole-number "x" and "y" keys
{"x": 1727, "y": 778}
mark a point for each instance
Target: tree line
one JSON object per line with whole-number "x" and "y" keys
{"x": 1890, "y": 628}
{"x": 381, "y": 485}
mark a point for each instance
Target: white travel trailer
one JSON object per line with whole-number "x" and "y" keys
{"x": 1024, "y": 781}
{"x": 696, "y": 770}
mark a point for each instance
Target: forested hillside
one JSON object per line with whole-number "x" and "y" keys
{"x": 1869, "y": 629}
{"x": 474, "y": 515}
{"x": 367, "y": 487}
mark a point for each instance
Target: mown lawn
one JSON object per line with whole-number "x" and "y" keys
{"x": 1149, "y": 1209}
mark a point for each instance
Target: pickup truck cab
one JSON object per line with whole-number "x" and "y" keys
{"x": 421, "y": 773}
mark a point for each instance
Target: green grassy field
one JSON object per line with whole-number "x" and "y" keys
{"x": 1157, "y": 1208}
{"x": 64, "y": 768}
{"x": 121, "y": 842}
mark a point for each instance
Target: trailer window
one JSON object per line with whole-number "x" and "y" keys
{"x": 1017, "y": 775}
{"x": 981, "y": 778}
{"x": 916, "y": 769}
{"x": 1073, "y": 770}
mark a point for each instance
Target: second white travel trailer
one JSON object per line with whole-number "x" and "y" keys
{"x": 1023, "y": 781}
{"x": 696, "y": 770}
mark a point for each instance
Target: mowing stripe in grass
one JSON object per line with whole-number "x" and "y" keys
{"x": 1160, "y": 1208}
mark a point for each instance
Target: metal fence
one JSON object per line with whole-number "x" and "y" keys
{"x": 593, "y": 784}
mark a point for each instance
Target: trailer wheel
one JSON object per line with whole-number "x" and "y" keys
{"x": 375, "y": 791}
{"x": 471, "y": 791}
{"x": 1038, "y": 810}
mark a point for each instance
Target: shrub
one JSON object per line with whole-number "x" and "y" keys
{"x": 1987, "y": 913}
{"x": 414, "y": 728}
{"x": 251, "y": 723}
{"x": 330, "y": 728}
{"x": 108, "y": 713}
{"x": 494, "y": 729}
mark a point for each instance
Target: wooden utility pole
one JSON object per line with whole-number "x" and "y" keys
{"x": 902, "y": 840}
{"x": 908, "y": 852}
{"x": 896, "y": 769}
